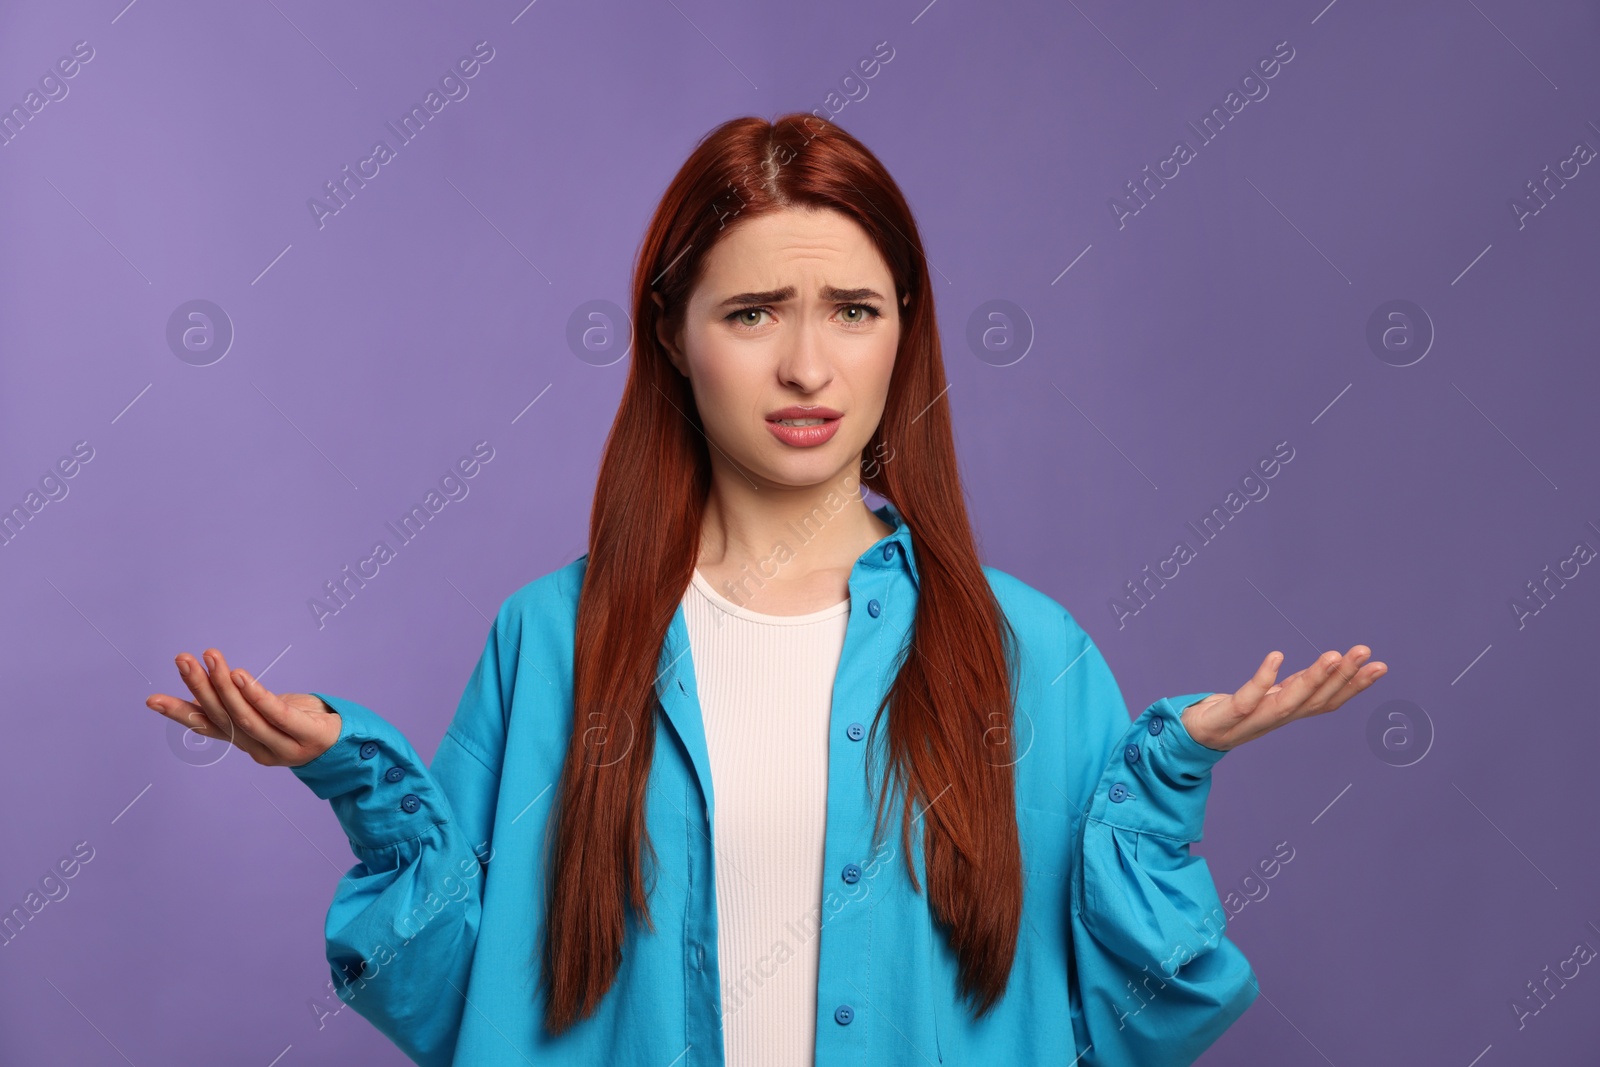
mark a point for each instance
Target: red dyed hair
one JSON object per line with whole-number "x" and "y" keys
{"x": 950, "y": 705}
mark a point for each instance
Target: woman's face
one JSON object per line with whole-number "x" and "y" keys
{"x": 795, "y": 309}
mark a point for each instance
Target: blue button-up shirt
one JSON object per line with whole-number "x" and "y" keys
{"x": 1121, "y": 958}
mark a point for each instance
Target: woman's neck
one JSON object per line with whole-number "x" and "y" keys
{"x": 799, "y": 546}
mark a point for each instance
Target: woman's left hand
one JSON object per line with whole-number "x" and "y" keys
{"x": 1227, "y": 720}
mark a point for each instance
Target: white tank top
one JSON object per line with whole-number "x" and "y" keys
{"x": 766, "y": 691}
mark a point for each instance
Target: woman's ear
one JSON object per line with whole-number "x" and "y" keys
{"x": 664, "y": 334}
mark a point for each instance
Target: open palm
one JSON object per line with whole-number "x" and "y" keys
{"x": 276, "y": 730}
{"x": 1227, "y": 720}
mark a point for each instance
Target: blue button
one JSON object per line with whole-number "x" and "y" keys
{"x": 873, "y": 607}
{"x": 888, "y": 550}
{"x": 1119, "y": 793}
{"x": 369, "y": 749}
{"x": 843, "y": 1014}
{"x": 393, "y": 774}
{"x": 851, "y": 873}
{"x": 410, "y": 803}
{"x": 855, "y": 731}
{"x": 1156, "y": 723}
{"x": 1131, "y": 753}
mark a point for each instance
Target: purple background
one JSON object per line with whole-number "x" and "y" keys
{"x": 433, "y": 311}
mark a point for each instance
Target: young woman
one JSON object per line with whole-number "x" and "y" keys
{"x": 656, "y": 829}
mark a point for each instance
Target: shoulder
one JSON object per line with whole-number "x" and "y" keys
{"x": 1059, "y": 654}
{"x": 525, "y": 664}
{"x": 543, "y": 612}
{"x": 552, "y": 591}
{"x": 1034, "y": 614}
{"x": 1049, "y": 640}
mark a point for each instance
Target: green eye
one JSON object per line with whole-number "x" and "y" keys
{"x": 868, "y": 311}
{"x": 738, "y": 317}
{"x": 863, "y": 313}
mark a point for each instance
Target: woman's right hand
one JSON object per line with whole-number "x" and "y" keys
{"x": 275, "y": 730}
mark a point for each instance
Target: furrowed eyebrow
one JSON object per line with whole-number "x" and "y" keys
{"x": 778, "y": 296}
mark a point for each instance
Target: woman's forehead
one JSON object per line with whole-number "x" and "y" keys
{"x": 779, "y": 248}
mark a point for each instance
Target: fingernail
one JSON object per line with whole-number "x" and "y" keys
{"x": 239, "y": 678}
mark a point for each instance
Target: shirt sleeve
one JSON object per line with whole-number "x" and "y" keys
{"x": 1157, "y": 981}
{"x": 404, "y": 920}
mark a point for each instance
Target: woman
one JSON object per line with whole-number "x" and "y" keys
{"x": 745, "y": 630}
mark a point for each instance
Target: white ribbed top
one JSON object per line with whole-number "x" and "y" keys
{"x": 766, "y": 691}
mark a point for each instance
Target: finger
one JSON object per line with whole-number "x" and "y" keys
{"x": 1301, "y": 687}
{"x": 281, "y": 745}
{"x": 194, "y": 676}
{"x": 1362, "y": 676}
{"x": 1334, "y": 689}
{"x": 1249, "y": 695}
{"x": 187, "y": 713}
{"x": 291, "y": 722}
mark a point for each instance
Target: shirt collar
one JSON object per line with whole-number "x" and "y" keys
{"x": 888, "y": 550}
{"x": 895, "y": 546}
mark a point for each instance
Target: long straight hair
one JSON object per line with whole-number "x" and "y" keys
{"x": 949, "y": 721}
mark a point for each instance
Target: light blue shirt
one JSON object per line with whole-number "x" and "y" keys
{"x": 1121, "y": 959}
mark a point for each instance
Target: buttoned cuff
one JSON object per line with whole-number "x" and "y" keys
{"x": 1159, "y": 778}
{"x": 379, "y": 787}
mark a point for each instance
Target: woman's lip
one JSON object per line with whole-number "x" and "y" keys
{"x": 818, "y": 412}
{"x": 804, "y": 436}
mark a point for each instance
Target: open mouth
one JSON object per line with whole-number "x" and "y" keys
{"x": 804, "y": 432}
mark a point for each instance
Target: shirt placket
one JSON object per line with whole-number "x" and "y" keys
{"x": 845, "y": 948}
